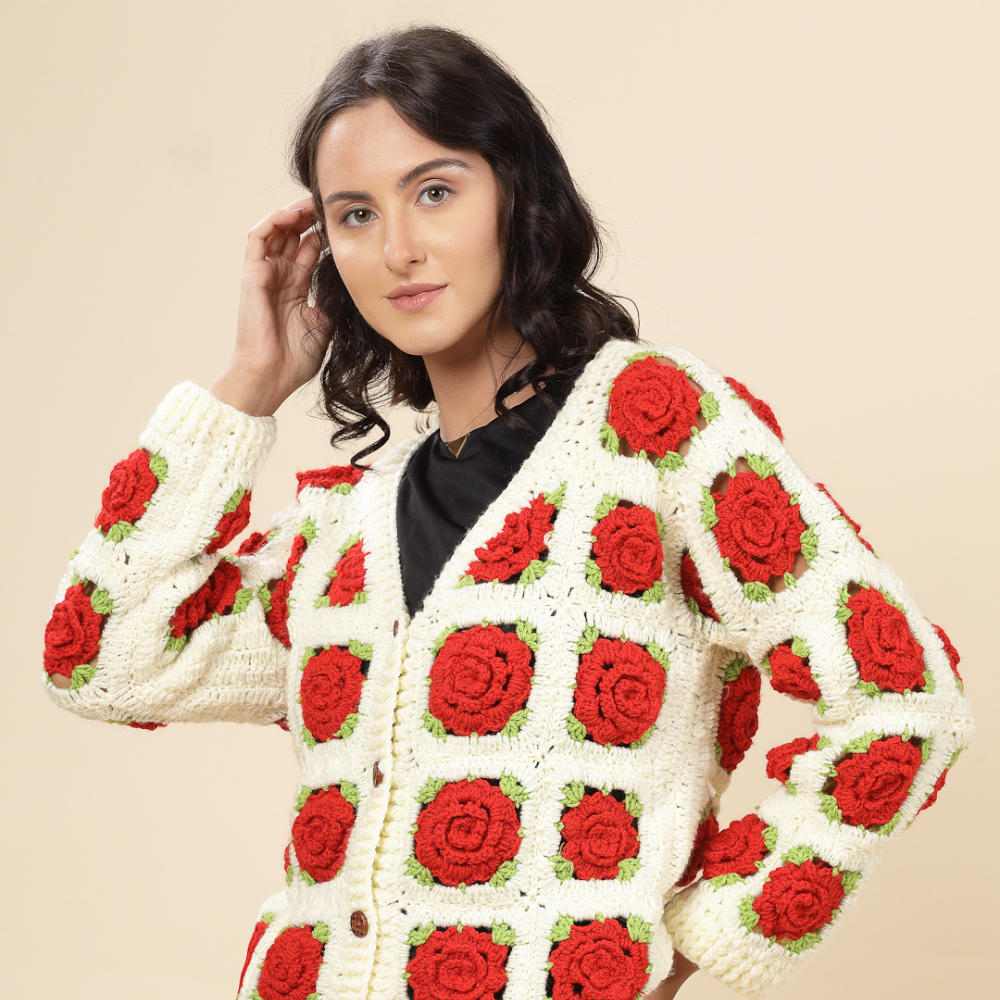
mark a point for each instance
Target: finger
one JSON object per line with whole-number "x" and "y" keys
{"x": 261, "y": 240}
{"x": 309, "y": 251}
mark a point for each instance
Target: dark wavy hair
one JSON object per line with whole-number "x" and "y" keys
{"x": 454, "y": 92}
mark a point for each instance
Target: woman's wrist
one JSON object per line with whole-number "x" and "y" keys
{"x": 247, "y": 393}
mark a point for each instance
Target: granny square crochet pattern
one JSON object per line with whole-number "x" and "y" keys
{"x": 515, "y": 792}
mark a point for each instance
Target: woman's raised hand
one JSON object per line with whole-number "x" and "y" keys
{"x": 273, "y": 355}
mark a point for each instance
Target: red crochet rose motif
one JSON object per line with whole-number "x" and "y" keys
{"x": 258, "y": 932}
{"x": 458, "y": 965}
{"x": 598, "y": 961}
{"x": 320, "y": 833}
{"x": 798, "y": 900}
{"x": 779, "y": 760}
{"x": 628, "y": 549}
{"x": 330, "y": 691}
{"x": 327, "y": 479}
{"x": 291, "y": 965}
{"x": 759, "y": 529}
{"x": 131, "y": 487}
{"x": 467, "y": 832}
{"x": 479, "y": 678}
{"x": 349, "y": 580}
{"x": 938, "y": 785}
{"x": 692, "y": 588}
{"x": 880, "y": 639}
{"x": 847, "y": 517}
{"x": 277, "y": 616}
{"x": 282, "y": 724}
{"x": 599, "y": 832}
{"x": 73, "y": 633}
{"x": 870, "y": 787}
{"x": 288, "y": 856}
{"x": 252, "y": 544}
{"x": 738, "y": 717}
{"x": 707, "y": 829}
{"x": 652, "y": 407}
{"x": 737, "y": 849}
{"x": 521, "y": 541}
{"x": 790, "y": 674}
{"x": 619, "y": 691}
{"x": 214, "y": 597}
{"x": 231, "y": 524}
{"x": 950, "y": 651}
{"x": 760, "y": 409}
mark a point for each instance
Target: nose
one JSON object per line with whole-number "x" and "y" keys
{"x": 402, "y": 246}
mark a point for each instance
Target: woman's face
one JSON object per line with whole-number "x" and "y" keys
{"x": 402, "y": 210}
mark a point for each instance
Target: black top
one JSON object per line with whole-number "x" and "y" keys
{"x": 441, "y": 496}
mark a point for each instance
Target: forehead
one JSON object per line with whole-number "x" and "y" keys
{"x": 364, "y": 144}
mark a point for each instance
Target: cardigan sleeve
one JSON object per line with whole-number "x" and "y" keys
{"x": 778, "y": 574}
{"x": 151, "y": 624}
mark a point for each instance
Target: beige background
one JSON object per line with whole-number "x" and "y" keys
{"x": 803, "y": 193}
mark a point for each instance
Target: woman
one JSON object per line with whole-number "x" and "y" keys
{"x": 520, "y": 655}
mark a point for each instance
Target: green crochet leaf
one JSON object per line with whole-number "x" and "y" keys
{"x": 556, "y": 496}
{"x": 308, "y": 530}
{"x": 638, "y": 929}
{"x": 708, "y": 516}
{"x": 465, "y": 581}
{"x": 242, "y": 601}
{"x": 572, "y": 794}
{"x": 627, "y": 867}
{"x": 321, "y": 932}
{"x": 748, "y": 916}
{"x": 592, "y": 574}
{"x": 709, "y": 406}
{"x": 234, "y": 501}
{"x": 632, "y": 805}
{"x": 869, "y": 688}
{"x": 586, "y": 642}
{"x": 829, "y": 808}
{"x": 734, "y": 668}
{"x": 81, "y": 675}
{"x": 770, "y": 836}
{"x": 362, "y": 650}
{"x": 175, "y": 643}
{"x": 642, "y": 355}
{"x": 420, "y": 934}
{"x": 440, "y": 640}
{"x": 307, "y": 655}
{"x": 799, "y": 945}
{"x": 349, "y": 791}
{"x": 534, "y": 571}
{"x": 798, "y": 855}
{"x": 849, "y": 880}
{"x": 306, "y": 877}
{"x": 606, "y": 506}
{"x": 158, "y": 466}
{"x": 421, "y": 873}
{"x": 660, "y": 655}
{"x": 609, "y": 438}
{"x": 431, "y": 787}
{"x": 809, "y": 543}
{"x": 799, "y": 647}
{"x": 718, "y": 881}
{"x": 562, "y": 927}
{"x": 308, "y": 738}
{"x": 655, "y": 593}
{"x": 562, "y": 867}
{"x": 764, "y": 467}
{"x": 264, "y": 596}
{"x": 512, "y": 789}
{"x": 507, "y": 870}
{"x": 754, "y": 590}
{"x": 670, "y": 462}
{"x": 120, "y": 530}
{"x": 789, "y": 580}
{"x": 527, "y": 634}
{"x": 434, "y": 724}
{"x": 100, "y": 601}
{"x": 577, "y": 730}
{"x": 303, "y": 797}
{"x": 502, "y": 933}
{"x": 640, "y": 741}
{"x": 514, "y": 723}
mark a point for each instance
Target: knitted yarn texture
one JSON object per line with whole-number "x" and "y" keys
{"x": 516, "y": 790}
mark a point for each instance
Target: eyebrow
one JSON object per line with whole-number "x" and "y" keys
{"x": 404, "y": 180}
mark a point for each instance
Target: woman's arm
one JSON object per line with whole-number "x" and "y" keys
{"x": 777, "y": 575}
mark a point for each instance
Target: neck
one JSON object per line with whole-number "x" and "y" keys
{"x": 465, "y": 384}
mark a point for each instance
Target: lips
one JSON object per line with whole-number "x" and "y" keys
{"x": 408, "y": 291}
{"x": 419, "y": 300}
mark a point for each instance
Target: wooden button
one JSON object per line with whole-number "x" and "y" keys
{"x": 359, "y": 924}
{"x": 376, "y": 775}
{"x": 395, "y": 627}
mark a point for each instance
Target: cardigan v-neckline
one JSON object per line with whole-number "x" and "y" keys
{"x": 379, "y": 506}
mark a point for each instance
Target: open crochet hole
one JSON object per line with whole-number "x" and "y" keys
{"x": 624, "y": 448}
{"x": 776, "y": 584}
{"x": 61, "y": 681}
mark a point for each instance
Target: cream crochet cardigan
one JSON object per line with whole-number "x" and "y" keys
{"x": 506, "y": 792}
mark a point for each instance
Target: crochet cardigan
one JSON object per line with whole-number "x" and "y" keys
{"x": 509, "y": 792}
